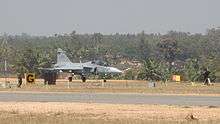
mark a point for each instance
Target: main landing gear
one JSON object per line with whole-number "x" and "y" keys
{"x": 83, "y": 78}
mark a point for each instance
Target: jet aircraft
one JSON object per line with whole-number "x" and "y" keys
{"x": 83, "y": 69}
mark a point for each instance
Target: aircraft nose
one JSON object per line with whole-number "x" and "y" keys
{"x": 115, "y": 70}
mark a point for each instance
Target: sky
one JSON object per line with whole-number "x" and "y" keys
{"x": 48, "y": 17}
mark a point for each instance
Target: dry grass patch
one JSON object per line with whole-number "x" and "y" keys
{"x": 118, "y": 86}
{"x": 111, "y": 111}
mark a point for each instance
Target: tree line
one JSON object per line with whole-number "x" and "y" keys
{"x": 158, "y": 54}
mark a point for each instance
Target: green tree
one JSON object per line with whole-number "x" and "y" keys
{"x": 154, "y": 70}
{"x": 150, "y": 70}
{"x": 130, "y": 74}
{"x": 192, "y": 70}
{"x": 168, "y": 49}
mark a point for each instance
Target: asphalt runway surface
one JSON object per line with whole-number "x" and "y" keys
{"x": 112, "y": 98}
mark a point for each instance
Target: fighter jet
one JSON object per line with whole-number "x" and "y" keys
{"x": 83, "y": 69}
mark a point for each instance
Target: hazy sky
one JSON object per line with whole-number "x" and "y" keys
{"x": 47, "y": 17}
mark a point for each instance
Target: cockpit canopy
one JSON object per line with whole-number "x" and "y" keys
{"x": 99, "y": 62}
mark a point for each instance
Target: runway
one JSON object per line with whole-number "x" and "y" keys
{"x": 112, "y": 98}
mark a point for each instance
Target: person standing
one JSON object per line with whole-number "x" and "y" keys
{"x": 70, "y": 79}
{"x": 19, "y": 80}
{"x": 46, "y": 78}
{"x": 206, "y": 76}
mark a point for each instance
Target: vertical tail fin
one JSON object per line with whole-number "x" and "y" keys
{"x": 61, "y": 57}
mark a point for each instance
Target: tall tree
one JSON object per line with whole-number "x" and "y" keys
{"x": 168, "y": 49}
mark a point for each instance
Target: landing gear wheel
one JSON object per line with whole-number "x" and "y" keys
{"x": 83, "y": 79}
{"x": 105, "y": 80}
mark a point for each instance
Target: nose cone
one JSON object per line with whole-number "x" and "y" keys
{"x": 115, "y": 70}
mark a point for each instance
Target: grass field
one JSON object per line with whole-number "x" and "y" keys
{"x": 92, "y": 113}
{"x": 131, "y": 86}
{"x": 68, "y": 119}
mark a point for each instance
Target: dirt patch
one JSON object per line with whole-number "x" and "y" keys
{"x": 116, "y": 86}
{"x": 112, "y": 111}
